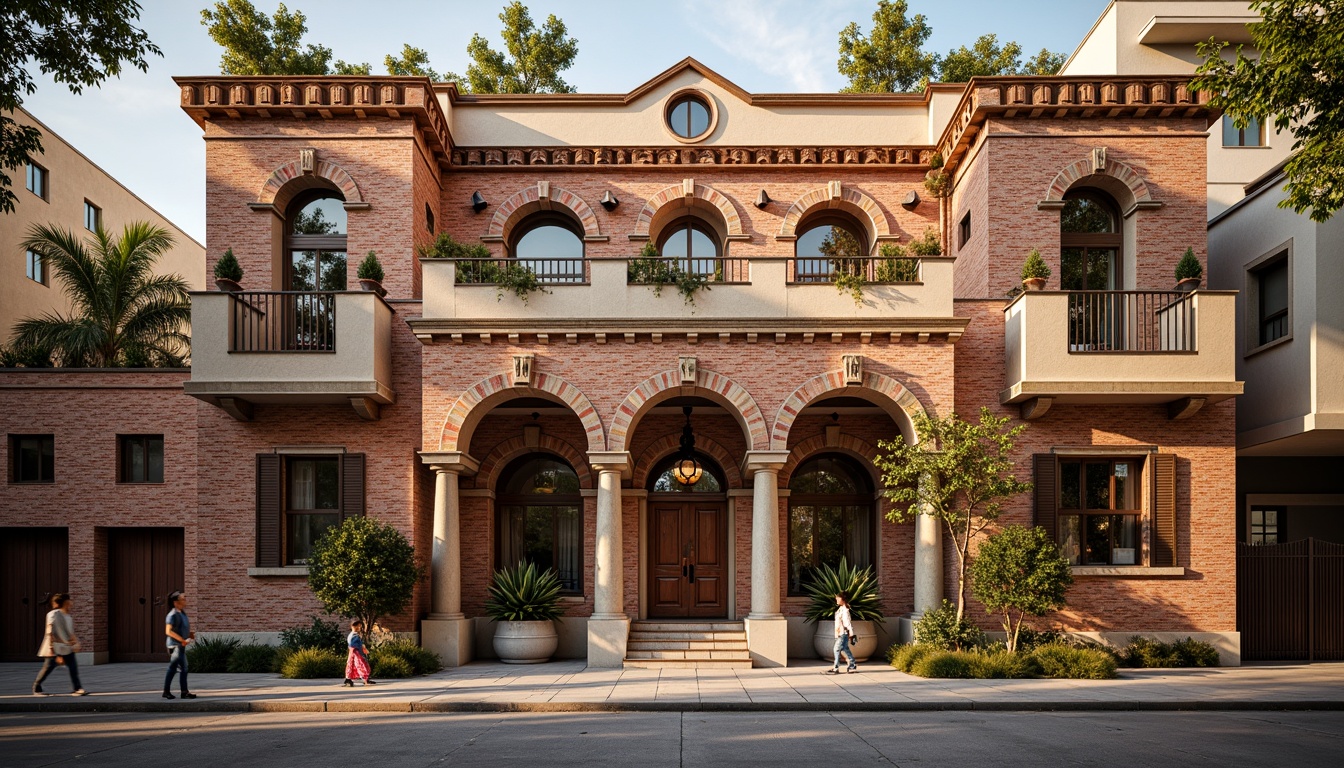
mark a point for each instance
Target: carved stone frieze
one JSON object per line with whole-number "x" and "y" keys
{"x": 467, "y": 156}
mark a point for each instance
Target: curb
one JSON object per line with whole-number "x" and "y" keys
{"x": 1206, "y": 705}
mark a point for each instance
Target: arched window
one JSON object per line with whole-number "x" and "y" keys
{"x": 541, "y": 518}
{"x": 693, "y": 244}
{"x": 826, "y": 245}
{"x": 551, "y": 245}
{"x": 315, "y": 242}
{"x": 830, "y": 516}
{"x": 1089, "y": 242}
{"x": 711, "y": 477}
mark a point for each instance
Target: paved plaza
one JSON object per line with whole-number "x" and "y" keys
{"x": 572, "y": 686}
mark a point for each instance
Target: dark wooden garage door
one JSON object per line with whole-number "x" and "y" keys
{"x": 1290, "y": 601}
{"x": 144, "y": 565}
{"x": 33, "y": 564}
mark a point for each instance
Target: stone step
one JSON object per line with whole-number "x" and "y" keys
{"x": 687, "y": 645}
{"x": 683, "y": 664}
{"x": 690, "y": 655}
{"x": 734, "y": 637}
{"x": 687, "y": 626}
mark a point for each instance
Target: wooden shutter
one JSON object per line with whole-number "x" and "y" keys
{"x": 269, "y": 510}
{"x": 1047, "y": 492}
{"x": 352, "y": 485}
{"x": 1164, "y": 510}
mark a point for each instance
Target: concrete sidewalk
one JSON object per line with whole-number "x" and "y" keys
{"x": 570, "y": 686}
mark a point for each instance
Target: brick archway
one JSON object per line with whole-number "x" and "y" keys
{"x": 836, "y": 196}
{"x": 667, "y": 384}
{"x": 690, "y": 196}
{"x": 883, "y": 391}
{"x": 485, "y": 394}
{"x": 289, "y": 179}
{"x": 1120, "y": 180}
{"x": 507, "y": 451}
{"x": 847, "y": 444}
{"x": 541, "y": 197}
{"x": 669, "y": 443}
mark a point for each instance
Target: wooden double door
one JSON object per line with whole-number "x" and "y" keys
{"x": 688, "y": 552}
{"x": 33, "y": 565}
{"x": 144, "y": 565}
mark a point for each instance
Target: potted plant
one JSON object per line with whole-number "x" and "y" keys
{"x": 228, "y": 273}
{"x": 524, "y": 602}
{"x": 371, "y": 274}
{"x": 1034, "y": 271}
{"x": 865, "y": 607}
{"x": 1188, "y": 272}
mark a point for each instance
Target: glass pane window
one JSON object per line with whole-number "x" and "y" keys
{"x": 549, "y": 241}
{"x": 1085, "y": 214}
{"x": 541, "y": 519}
{"x": 1099, "y": 507}
{"x": 317, "y": 271}
{"x": 93, "y": 216}
{"x": 303, "y": 531}
{"x": 36, "y": 180}
{"x": 141, "y": 459}
{"x": 1268, "y": 525}
{"x": 831, "y": 516}
{"x": 689, "y": 117}
{"x": 825, "y": 249}
{"x": 1272, "y": 282}
{"x": 312, "y": 503}
{"x": 324, "y": 216}
{"x": 32, "y": 458}
{"x": 1087, "y": 269}
{"x": 1252, "y": 135}
{"x": 36, "y": 267}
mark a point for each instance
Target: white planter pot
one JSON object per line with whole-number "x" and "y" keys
{"x": 525, "y": 642}
{"x": 824, "y": 640}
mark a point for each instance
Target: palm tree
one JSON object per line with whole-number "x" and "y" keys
{"x": 123, "y": 313}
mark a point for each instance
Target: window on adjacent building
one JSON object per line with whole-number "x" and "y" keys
{"x": 541, "y": 519}
{"x": 1271, "y": 282}
{"x": 429, "y": 219}
{"x": 36, "y": 267}
{"x": 830, "y": 517}
{"x": 36, "y": 180}
{"x": 141, "y": 458}
{"x": 1099, "y": 511}
{"x": 1253, "y": 135}
{"x": 312, "y": 503}
{"x": 93, "y": 216}
{"x": 32, "y": 459}
{"x": 964, "y": 230}
{"x": 1269, "y": 525}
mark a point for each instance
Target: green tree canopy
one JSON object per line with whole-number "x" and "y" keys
{"x": 1018, "y": 572}
{"x": 531, "y": 61}
{"x": 77, "y": 42}
{"x": 123, "y": 313}
{"x": 413, "y": 62}
{"x": 959, "y": 474}
{"x": 363, "y": 570}
{"x": 1297, "y": 82}
{"x": 256, "y": 45}
{"x": 984, "y": 58}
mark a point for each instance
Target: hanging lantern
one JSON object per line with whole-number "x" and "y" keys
{"x": 687, "y": 469}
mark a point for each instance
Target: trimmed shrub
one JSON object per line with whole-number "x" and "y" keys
{"x": 211, "y": 654}
{"x": 422, "y": 660}
{"x": 320, "y": 634}
{"x": 1147, "y": 652}
{"x": 313, "y": 663}
{"x": 1002, "y": 666}
{"x": 905, "y": 657}
{"x": 953, "y": 664}
{"x": 389, "y": 665}
{"x": 252, "y": 659}
{"x": 1058, "y": 660}
{"x": 941, "y": 629}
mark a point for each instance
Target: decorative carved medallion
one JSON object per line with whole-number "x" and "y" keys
{"x": 852, "y": 366}
{"x": 687, "y": 366}
{"x": 307, "y": 159}
{"x": 522, "y": 370}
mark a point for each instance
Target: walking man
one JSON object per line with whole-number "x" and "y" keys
{"x": 178, "y": 629}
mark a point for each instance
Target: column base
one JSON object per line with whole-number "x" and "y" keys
{"x": 768, "y": 641}
{"x": 607, "y": 641}
{"x": 451, "y": 639}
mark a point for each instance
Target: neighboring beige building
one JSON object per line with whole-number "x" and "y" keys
{"x": 63, "y": 187}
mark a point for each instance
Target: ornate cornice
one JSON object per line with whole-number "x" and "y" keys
{"x": 328, "y": 96}
{"x": 657, "y": 330}
{"x": 1056, "y": 97}
{"x": 495, "y": 157}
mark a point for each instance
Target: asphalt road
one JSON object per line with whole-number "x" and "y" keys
{"x": 653, "y": 740}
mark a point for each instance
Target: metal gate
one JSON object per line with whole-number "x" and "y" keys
{"x": 1290, "y": 601}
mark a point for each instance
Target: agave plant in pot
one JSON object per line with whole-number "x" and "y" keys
{"x": 865, "y": 607}
{"x": 525, "y": 603}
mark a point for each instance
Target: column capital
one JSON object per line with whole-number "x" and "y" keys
{"x": 763, "y": 461}
{"x": 453, "y": 462}
{"x": 611, "y": 461}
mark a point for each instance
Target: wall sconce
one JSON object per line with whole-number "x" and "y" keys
{"x": 609, "y": 201}
{"x": 911, "y": 199}
{"x": 762, "y": 199}
{"x": 478, "y": 203}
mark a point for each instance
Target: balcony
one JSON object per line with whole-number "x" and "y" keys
{"x": 1089, "y": 347}
{"x": 761, "y": 294}
{"x": 291, "y": 347}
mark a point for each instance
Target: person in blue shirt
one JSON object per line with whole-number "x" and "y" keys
{"x": 357, "y": 662}
{"x": 178, "y": 629}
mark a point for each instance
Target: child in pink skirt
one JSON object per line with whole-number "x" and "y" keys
{"x": 357, "y": 663}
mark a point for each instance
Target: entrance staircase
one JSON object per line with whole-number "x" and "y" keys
{"x": 664, "y": 644}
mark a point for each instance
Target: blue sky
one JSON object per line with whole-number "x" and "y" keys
{"x": 133, "y": 128}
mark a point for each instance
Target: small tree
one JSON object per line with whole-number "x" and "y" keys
{"x": 1018, "y": 572}
{"x": 1035, "y": 267}
{"x": 1189, "y": 268}
{"x": 228, "y": 268}
{"x": 958, "y": 474}
{"x": 363, "y": 570}
{"x": 370, "y": 268}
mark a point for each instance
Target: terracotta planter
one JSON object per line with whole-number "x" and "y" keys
{"x": 525, "y": 642}
{"x": 1034, "y": 284}
{"x": 372, "y": 286}
{"x": 824, "y": 640}
{"x": 228, "y": 286}
{"x": 1187, "y": 285}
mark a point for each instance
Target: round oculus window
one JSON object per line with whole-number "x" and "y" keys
{"x": 689, "y": 116}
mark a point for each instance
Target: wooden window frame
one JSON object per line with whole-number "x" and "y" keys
{"x": 1138, "y": 513}
{"x": 429, "y": 220}
{"x": 123, "y": 466}
{"x": 1099, "y": 241}
{"x": 504, "y": 501}
{"x": 964, "y": 231}
{"x": 1280, "y": 524}
{"x": 286, "y": 511}
{"x": 869, "y": 500}
{"x": 42, "y": 174}
{"x": 47, "y": 477}
{"x": 317, "y": 243}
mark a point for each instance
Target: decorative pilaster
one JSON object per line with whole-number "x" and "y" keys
{"x": 609, "y": 626}
{"x": 446, "y": 631}
{"x": 767, "y": 629}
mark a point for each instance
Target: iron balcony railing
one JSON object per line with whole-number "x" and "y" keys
{"x": 1131, "y": 321}
{"x": 665, "y": 270}
{"x": 493, "y": 271}
{"x": 282, "y": 321}
{"x": 872, "y": 269}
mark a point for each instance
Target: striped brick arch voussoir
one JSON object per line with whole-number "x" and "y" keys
{"x": 667, "y": 384}
{"x": 541, "y": 197}
{"x": 289, "y": 179}
{"x": 837, "y": 197}
{"x": 701, "y": 196}
{"x": 883, "y": 391}
{"x": 1122, "y": 181}
{"x": 669, "y": 444}
{"x": 487, "y": 393}
{"x": 507, "y": 451}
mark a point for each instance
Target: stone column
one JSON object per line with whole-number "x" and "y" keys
{"x": 446, "y": 631}
{"x": 609, "y": 626}
{"x": 928, "y": 560}
{"x": 767, "y": 629}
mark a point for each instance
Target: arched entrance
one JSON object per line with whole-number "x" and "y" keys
{"x": 688, "y": 541}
